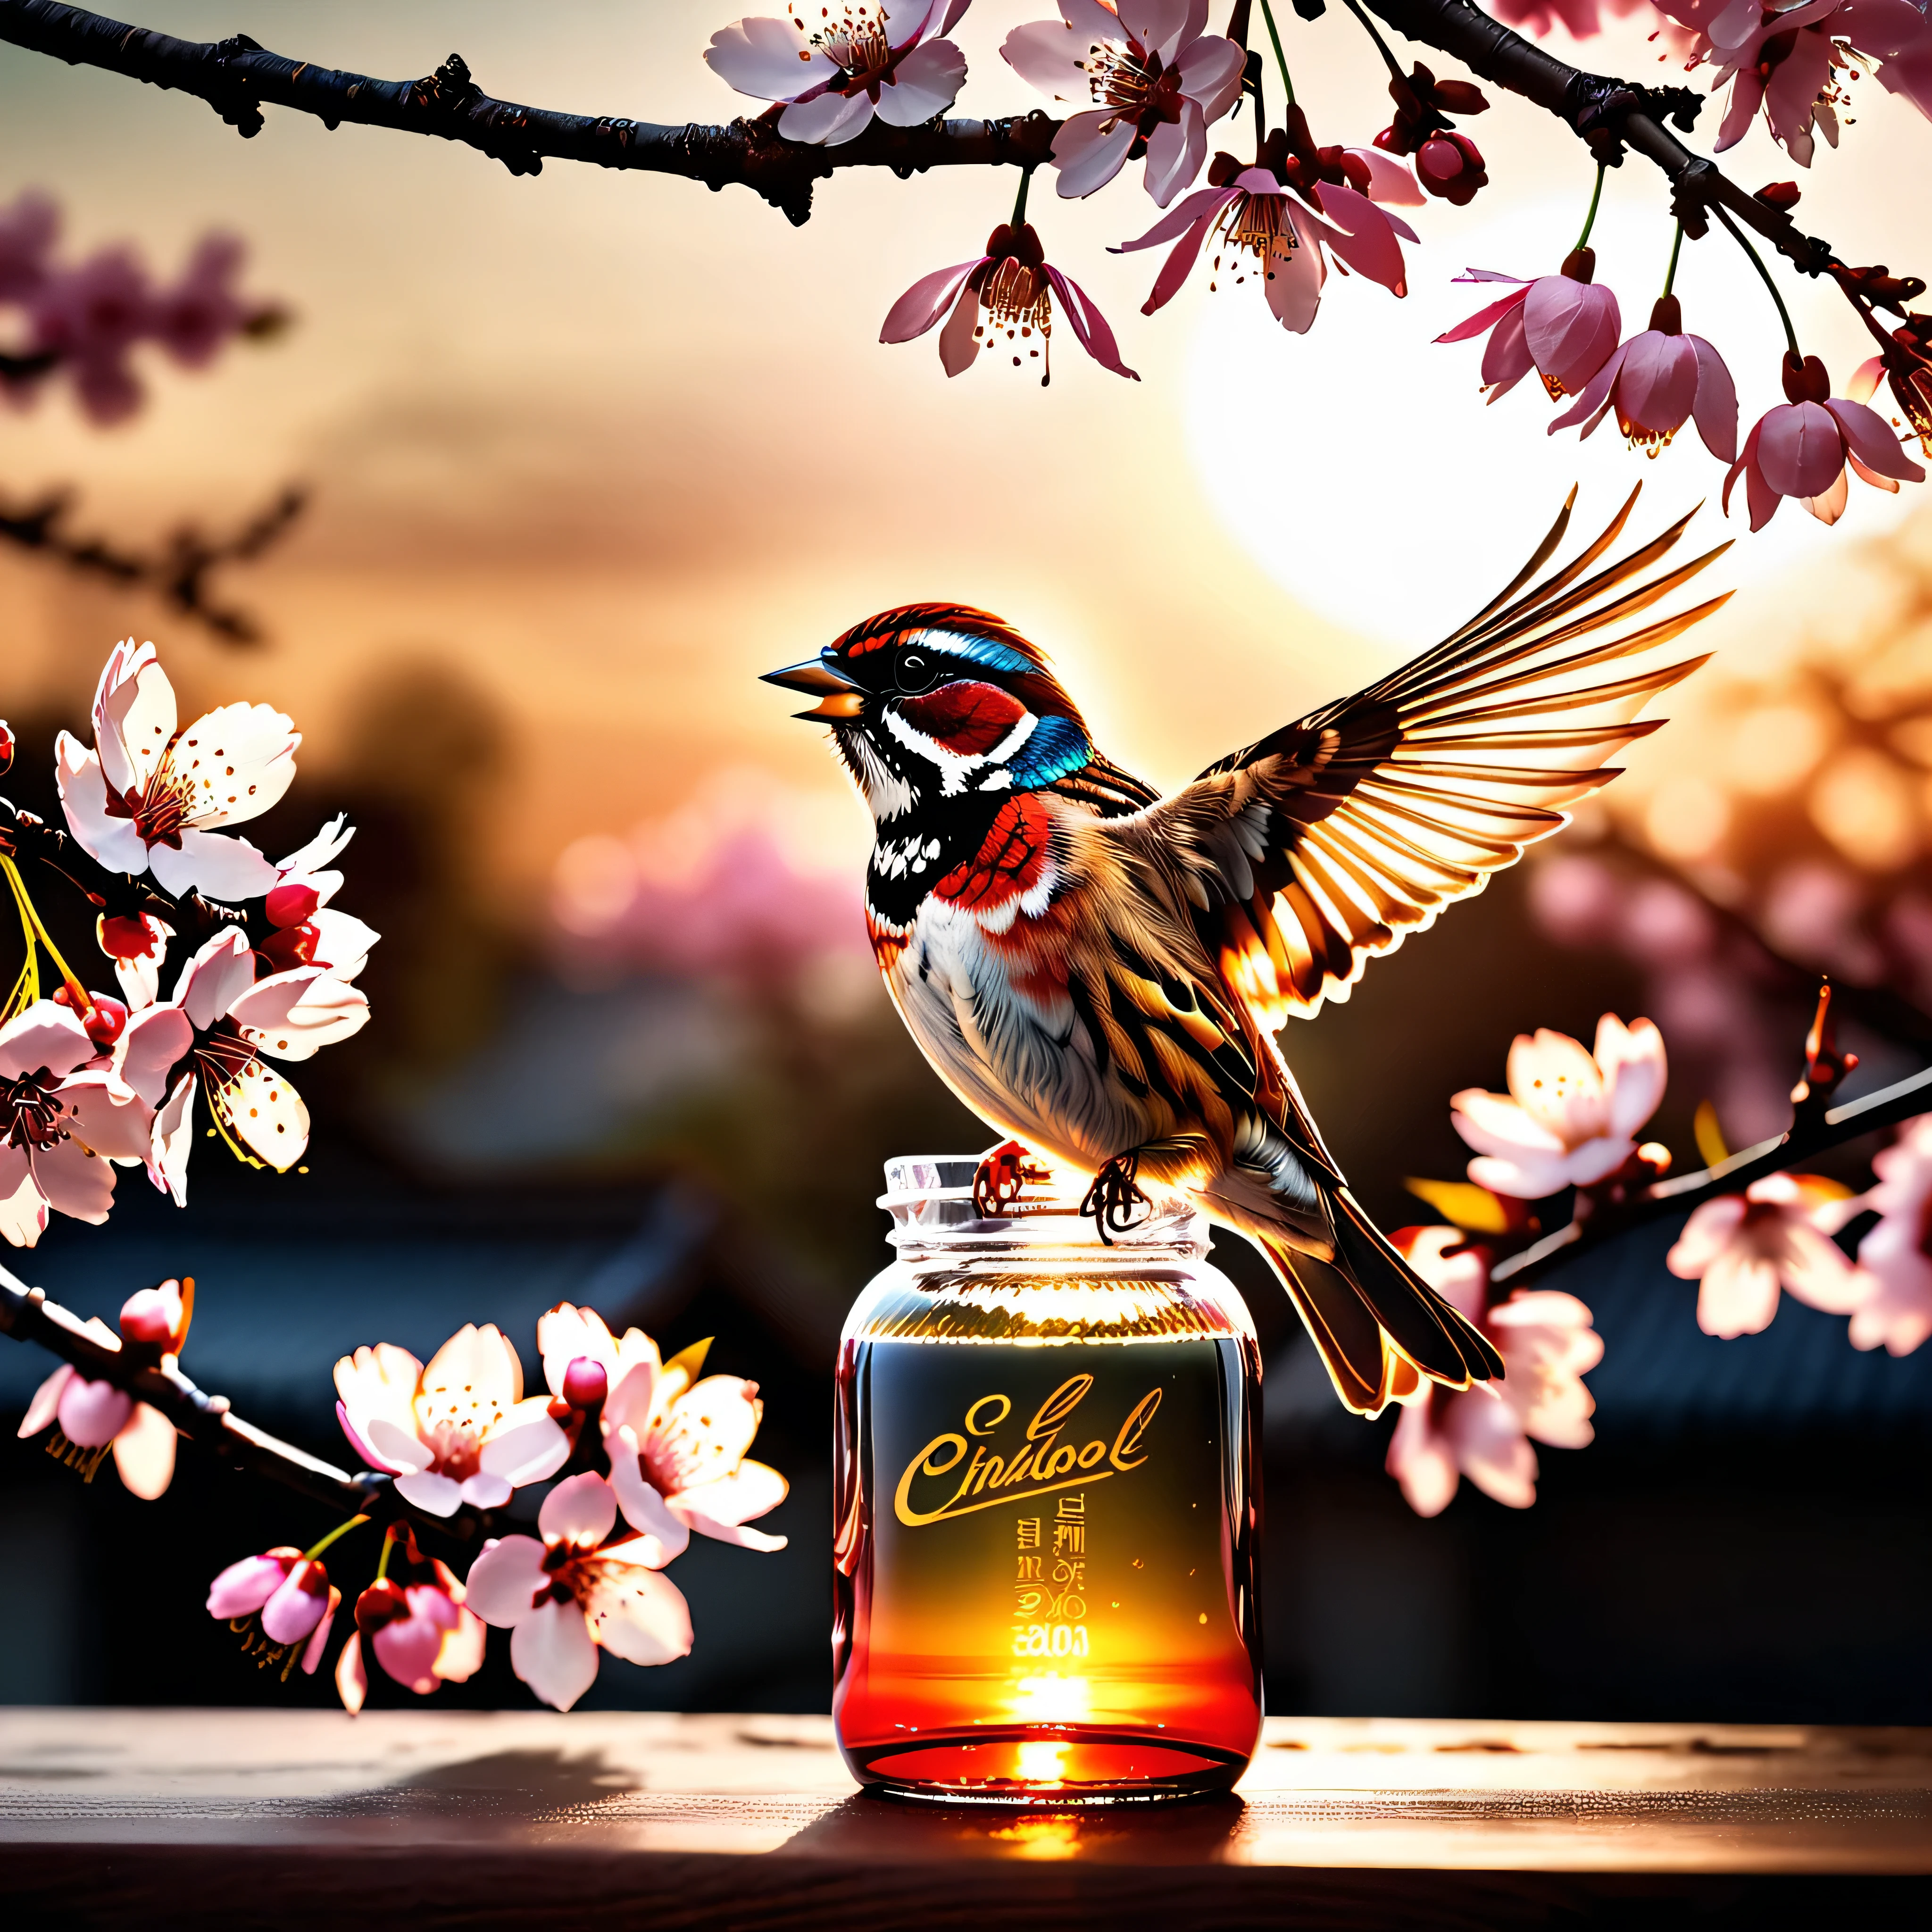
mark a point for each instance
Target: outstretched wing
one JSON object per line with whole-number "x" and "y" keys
{"x": 1329, "y": 842}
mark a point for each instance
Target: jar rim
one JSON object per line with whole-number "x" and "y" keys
{"x": 930, "y": 1199}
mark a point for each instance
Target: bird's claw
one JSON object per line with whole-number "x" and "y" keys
{"x": 1114, "y": 1196}
{"x": 1000, "y": 1178}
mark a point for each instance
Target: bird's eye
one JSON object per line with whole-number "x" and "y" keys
{"x": 917, "y": 672}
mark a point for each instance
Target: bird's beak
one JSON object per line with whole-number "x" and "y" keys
{"x": 838, "y": 696}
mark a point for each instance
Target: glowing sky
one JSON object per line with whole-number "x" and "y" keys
{"x": 613, "y": 444}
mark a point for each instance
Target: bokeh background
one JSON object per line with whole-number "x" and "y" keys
{"x": 585, "y": 453}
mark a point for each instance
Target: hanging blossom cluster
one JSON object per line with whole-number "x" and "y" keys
{"x": 1146, "y": 81}
{"x": 85, "y": 320}
{"x": 1569, "y": 1123}
{"x": 634, "y": 1455}
{"x": 231, "y": 966}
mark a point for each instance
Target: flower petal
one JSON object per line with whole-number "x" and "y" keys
{"x": 1873, "y": 442}
{"x": 1089, "y": 151}
{"x": 581, "y": 1511}
{"x": 504, "y": 1580}
{"x": 243, "y": 1587}
{"x": 44, "y": 1035}
{"x": 217, "y": 865}
{"x": 1716, "y": 408}
{"x": 663, "y": 1535}
{"x": 92, "y": 1413}
{"x": 75, "y": 1182}
{"x": 1419, "y": 1459}
{"x": 925, "y": 83}
{"x": 156, "y": 1041}
{"x": 440, "y": 1495}
{"x": 1176, "y": 150}
{"x": 1089, "y": 325}
{"x": 144, "y": 1453}
{"x": 768, "y": 59}
{"x": 293, "y": 1015}
{"x": 921, "y": 305}
{"x": 531, "y": 1452}
{"x": 83, "y": 797}
{"x": 829, "y": 120}
{"x": 1800, "y": 449}
{"x": 45, "y": 1404}
{"x": 352, "y": 1680}
{"x": 750, "y": 1490}
{"x": 638, "y": 1614}
{"x": 553, "y": 1652}
{"x": 214, "y": 976}
{"x": 1047, "y": 53}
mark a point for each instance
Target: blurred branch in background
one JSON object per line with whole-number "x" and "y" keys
{"x": 178, "y": 572}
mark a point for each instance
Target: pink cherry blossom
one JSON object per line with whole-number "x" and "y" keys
{"x": 1547, "y": 1345}
{"x": 835, "y": 74}
{"x": 1261, "y": 227}
{"x": 457, "y": 1431}
{"x": 1743, "y": 1248}
{"x": 423, "y": 1635}
{"x": 1151, "y": 73}
{"x": 1808, "y": 445}
{"x": 1564, "y": 326}
{"x": 1657, "y": 381}
{"x": 97, "y": 1415}
{"x": 1012, "y": 286}
{"x": 287, "y": 1596}
{"x": 201, "y": 312}
{"x": 65, "y": 1117}
{"x": 1895, "y": 1257}
{"x": 1788, "y": 60}
{"x": 565, "y": 1597}
{"x": 90, "y": 317}
{"x": 676, "y": 1445}
{"x": 1581, "y": 19}
{"x": 1570, "y": 1118}
{"x": 151, "y": 795}
{"x": 27, "y": 233}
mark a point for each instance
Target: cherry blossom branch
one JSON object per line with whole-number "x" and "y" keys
{"x": 178, "y": 573}
{"x": 238, "y": 77}
{"x": 1815, "y": 1129}
{"x": 207, "y": 1421}
{"x": 117, "y": 895}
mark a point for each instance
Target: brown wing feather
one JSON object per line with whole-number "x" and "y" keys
{"x": 1327, "y": 843}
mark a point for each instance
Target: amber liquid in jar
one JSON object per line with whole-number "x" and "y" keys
{"x": 1047, "y": 1506}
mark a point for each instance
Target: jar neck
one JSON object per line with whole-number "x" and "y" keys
{"x": 937, "y": 1223}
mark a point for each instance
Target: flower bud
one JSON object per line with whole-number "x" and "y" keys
{"x": 1451, "y": 165}
{"x": 1666, "y": 316}
{"x": 585, "y": 1383}
{"x": 298, "y": 1605}
{"x": 107, "y": 1022}
{"x": 290, "y": 904}
{"x": 382, "y": 1603}
{"x": 1805, "y": 381}
{"x": 294, "y": 946}
{"x": 158, "y": 1317}
{"x": 125, "y": 936}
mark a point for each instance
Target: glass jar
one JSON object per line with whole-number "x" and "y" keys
{"x": 1047, "y": 1505}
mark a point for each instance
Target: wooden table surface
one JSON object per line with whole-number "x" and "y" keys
{"x": 206, "y": 1818}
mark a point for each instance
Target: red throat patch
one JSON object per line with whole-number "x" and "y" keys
{"x": 968, "y": 719}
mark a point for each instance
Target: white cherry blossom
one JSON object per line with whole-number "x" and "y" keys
{"x": 1570, "y": 1117}
{"x": 458, "y": 1430}
{"x": 151, "y": 795}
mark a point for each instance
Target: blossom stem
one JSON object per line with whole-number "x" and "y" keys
{"x": 1280, "y": 58}
{"x": 1676, "y": 247}
{"x": 31, "y": 926}
{"x": 340, "y": 1530}
{"x": 1020, "y": 200}
{"x": 1596, "y": 199}
{"x": 391, "y": 1536}
{"x": 1382, "y": 45}
{"x": 1764, "y": 275}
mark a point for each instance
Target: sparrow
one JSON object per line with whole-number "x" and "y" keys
{"x": 1099, "y": 972}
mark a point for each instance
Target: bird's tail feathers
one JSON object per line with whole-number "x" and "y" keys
{"x": 1380, "y": 1328}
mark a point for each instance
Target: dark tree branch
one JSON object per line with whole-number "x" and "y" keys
{"x": 178, "y": 574}
{"x": 238, "y": 77}
{"x": 208, "y": 1422}
{"x": 1814, "y": 1131}
{"x": 118, "y": 894}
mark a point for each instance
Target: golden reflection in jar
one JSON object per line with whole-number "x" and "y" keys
{"x": 1043, "y": 1762}
{"x": 1051, "y": 1698}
